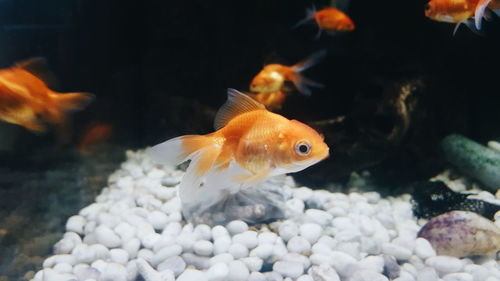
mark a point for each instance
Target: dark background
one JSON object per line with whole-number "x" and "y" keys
{"x": 161, "y": 69}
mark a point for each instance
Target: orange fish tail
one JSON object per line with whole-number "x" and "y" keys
{"x": 72, "y": 101}
{"x": 302, "y": 83}
{"x": 310, "y": 12}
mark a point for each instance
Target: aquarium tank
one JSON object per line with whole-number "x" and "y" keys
{"x": 266, "y": 140}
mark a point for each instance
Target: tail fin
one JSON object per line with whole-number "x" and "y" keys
{"x": 201, "y": 150}
{"x": 309, "y": 16}
{"x": 302, "y": 83}
{"x": 72, "y": 101}
{"x": 479, "y": 13}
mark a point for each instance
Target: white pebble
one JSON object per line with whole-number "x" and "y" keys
{"x": 459, "y": 276}
{"x": 427, "y": 274}
{"x": 237, "y": 271}
{"x": 289, "y": 268}
{"x": 267, "y": 238}
{"x": 287, "y": 230}
{"x": 237, "y": 226}
{"x": 478, "y": 272}
{"x": 253, "y": 263}
{"x": 107, "y": 237}
{"x": 63, "y": 268}
{"x": 113, "y": 272}
{"x": 119, "y": 256}
{"x": 299, "y": 245}
{"x": 132, "y": 246}
{"x": 219, "y": 231}
{"x": 191, "y": 275}
{"x": 399, "y": 252}
{"x": 225, "y": 258}
{"x": 238, "y": 250}
{"x": 262, "y": 251}
{"x": 218, "y": 272}
{"x": 367, "y": 275}
{"x": 158, "y": 219}
{"x": 203, "y": 231}
{"x": 247, "y": 238}
{"x": 175, "y": 264}
{"x": 257, "y": 276}
{"x": 323, "y": 273}
{"x": 423, "y": 249}
{"x": 222, "y": 244}
{"x": 75, "y": 224}
{"x": 294, "y": 257}
{"x": 445, "y": 264}
{"x": 305, "y": 278}
{"x": 311, "y": 232}
{"x": 203, "y": 248}
{"x": 166, "y": 253}
{"x": 320, "y": 217}
{"x": 341, "y": 262}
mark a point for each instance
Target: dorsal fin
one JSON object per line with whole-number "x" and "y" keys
{"x": 39, "y": 67}
{"x": 236, "y": 104}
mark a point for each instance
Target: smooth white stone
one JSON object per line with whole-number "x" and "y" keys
{"x": 75, "y": 224}
{"x": 337, "y": 212}
{"x": 323, "y": 272}
{"x": 328, "y": 241}
{"x": 267, "y": 238}
{"x": 132, "y": 270}
{"x": 107, "y": 237}
{"x": 225, "y": 258}
{"x": 288, "y": 229}
{"x": 319, "y": 259}
{"x": 294, "y": 257}
{"x": 113, "y": 272}
{"x": 51, "y": 275}
{"x": 65, "y": 246}
{"x": 273, "y": 276}
{"x": 350, "y": 248}
{"x": 305, "y": 278}
{"x": 166, "y": 253}
{"x": 203, "y": 232}
{"x": 237, "y": 271}
{"x": 370, "y": 246}
{"x": 400, "y": 253}
{"x": 238, "y": 250}
{"x": 125, "y": 231}
{"x": 366, "y": 225}
{"x": 289, "y": 268}
{"x": 478, "y": 272}
{"x": 55, "y": 259}
{"x": 253, "y": 263}
{"x": 203, "y": 248}
{"x": 222, "y": 244}
{"x": 262, "y": 251}
{"x": 303, "y": 193}
{"x": 145, "y": 254}
{"x": 247, "y": 238}
{"x": 149, "y": 240}
{"x": 164, "y": 241}
{"x": 108, "y": 219}
{"x": 372, "y": 263}
{"x": 192, "y": 275}
{"x": 279, "y": 250}
{"x": 198, "y": 262}
{"x": 427, "y": 274}
{"x": 63, "y": 268}
{"x": 348, "y": 235}
{"x": 257, "y": 276}
{"x": 132, "y": 247}
{"x": 423, "y": 249}
{"x": 459, "y": 276}
{"x": 445, "y": 264}
{"x": 172, "y": 229}
{"x": 99, "y": 264}
{"x": 217, "y": 272}
{"x": 319, "y": 248}
{"x": 295, "y": 206}
{"x": 405, "y": 276}
{"x": 84, "y": 272}
{"x": 219, "y": 231}
{"x": 311, "y": 232}
{"x": 158, "y": 219}
{"x": 367, "y": 275}
{"x": 237, "y": 226}
{"x": 319, "y": 216}
{"x": 119, "y": 256}
{"x": 299, "y": 245}
{"x": 341, "y": 262}
{"x": 175, "y": 264}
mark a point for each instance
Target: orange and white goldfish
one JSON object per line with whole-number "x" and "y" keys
{"x": 272, "y": 77}
{"x": 460, "y": 11}
{"x": 271, "y": 100}
{"x": 26, "y": 100}
{"x": 249, "y": 145}
{"x": 331, "y": 20}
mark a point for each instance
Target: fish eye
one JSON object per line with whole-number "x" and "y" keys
{"x": 302, "y": 148}
{"x": 427, "y": 7}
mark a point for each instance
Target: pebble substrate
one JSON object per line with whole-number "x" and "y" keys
{"x": 135, "y": 231}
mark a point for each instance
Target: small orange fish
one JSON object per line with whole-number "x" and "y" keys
{"x": 271, "y": 100}
{"x": 26, "y": 100}
{"x": 460, "y": 11}
{"x": 329, "y": 19}
{"x": 97, "y": 133}
{"x": 273, "y": 76}
{"x": 249, "y": 145}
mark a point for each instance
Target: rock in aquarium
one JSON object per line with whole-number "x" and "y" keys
{"x": 460, "y": 233}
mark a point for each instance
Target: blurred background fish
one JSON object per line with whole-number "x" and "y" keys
{"x": 468, "y": 12}
{"x": 95, "y": 135}
{"x": 271, "y": 100}
{"x": 330, "y": 19}
{"x": 272, "y": 77}
{"x": 26, "y": 100}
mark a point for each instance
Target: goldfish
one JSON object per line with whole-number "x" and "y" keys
{"x": 26, "y": 100}
{"x": 271, "y": 100}
{"x": 96, "y": 133}
{"x": 272, "y": 77}
{"x": 460, "y": 11}
{"x": 329, "y": 19}
{"x": 249, "y": 145}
